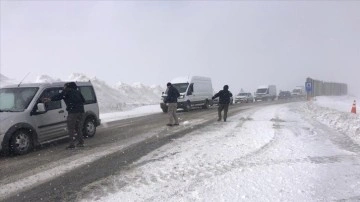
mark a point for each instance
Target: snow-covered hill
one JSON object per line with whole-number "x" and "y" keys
{"x": 111, "y": 98}
{"x": 5, "y": 81}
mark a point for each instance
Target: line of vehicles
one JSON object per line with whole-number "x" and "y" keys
{"x": 26, "y": 121}
{"x": 197, "y": 91}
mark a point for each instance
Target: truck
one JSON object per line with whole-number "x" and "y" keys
{"x": 265, "y": 93}
{"x": 195, "y": 91}
{"x": 299, "y": 92}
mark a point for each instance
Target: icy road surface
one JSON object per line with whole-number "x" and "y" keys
{"x": 275, "y": 153}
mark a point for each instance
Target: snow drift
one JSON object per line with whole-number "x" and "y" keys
{"x": 120, "y": 97}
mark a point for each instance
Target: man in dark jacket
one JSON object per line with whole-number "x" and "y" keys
{"x": 171, "y": 100}
{"x": 224, "y": 101}
{"x": 74, "y": 101}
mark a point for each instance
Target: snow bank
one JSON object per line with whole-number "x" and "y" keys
{"x": 4, "y": 81}
{"x": 136, "y": 112}
{"x": 339, "y": 103}
{"x": 334, "y": 112}
{"x": 121, "y": 97}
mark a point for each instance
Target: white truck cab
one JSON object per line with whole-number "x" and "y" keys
{"x": 265, "y": 93}
{"x": 298, "y": 92}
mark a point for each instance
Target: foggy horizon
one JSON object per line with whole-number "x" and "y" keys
{"x": 243, "y": 44}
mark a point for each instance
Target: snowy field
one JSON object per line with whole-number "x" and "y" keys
{"x": 290, "y": 152}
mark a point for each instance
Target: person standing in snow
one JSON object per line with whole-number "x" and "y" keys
{"x": 224, "y": 101}
{"x": 171, "y": 101}
{"x": 74, "y": 101}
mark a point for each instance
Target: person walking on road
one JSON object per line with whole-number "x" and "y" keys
{"x": 74, "y": 101}
{"x": 224, "y": 101}
{"x": 171, "y": 101}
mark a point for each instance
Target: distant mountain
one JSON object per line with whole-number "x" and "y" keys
{"x": 111, "y": 98}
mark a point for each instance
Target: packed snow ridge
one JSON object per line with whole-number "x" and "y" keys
{"x": 120, "y": 97}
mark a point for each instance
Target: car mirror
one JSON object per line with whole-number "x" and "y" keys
{"x": 41, "y": 108}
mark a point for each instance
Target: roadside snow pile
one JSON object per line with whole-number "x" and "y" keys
{"x": 136, "y": 112}
{"x": 46, "y": 79}
{"x": 121, "y": 97}
{"x": 4, "y": 81}
{"x": 340, "y": 103}
{"x": 334, "y": 111}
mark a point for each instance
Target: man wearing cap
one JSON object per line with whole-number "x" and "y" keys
{"x": 224, "y": 101}
{"x": 171, "y": 101}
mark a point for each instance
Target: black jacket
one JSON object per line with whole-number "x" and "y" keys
{"x": 224, "y": 96}
{"x": 172, "y": 95}
{"x": 74, "y": 100}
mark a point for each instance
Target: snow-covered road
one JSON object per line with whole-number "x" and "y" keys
{"x": 275, "y": 153}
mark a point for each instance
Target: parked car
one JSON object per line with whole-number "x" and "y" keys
{"x": 284, "y": 95}
{"x": 195, "y": 91}
{"x": 244, "y": 97}
{"x": 27, "y": 122}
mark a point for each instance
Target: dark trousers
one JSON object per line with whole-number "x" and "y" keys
{"x": 74, "y": 125}
{"x": 224, "y": 107}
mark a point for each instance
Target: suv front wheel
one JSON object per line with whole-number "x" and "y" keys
{"x": 20, "y": 142}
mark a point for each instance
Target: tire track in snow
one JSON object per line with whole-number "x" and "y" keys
{"x": 342, "y": 140}
{"x": 199, "y": 171}
{"x": 194, "y": 175}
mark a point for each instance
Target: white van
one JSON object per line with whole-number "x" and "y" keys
{"x": 265, "y": 93}
{"x": 195, "y": 91}
{"x": 299, "y": 92}
{"x": 27, "y": 122}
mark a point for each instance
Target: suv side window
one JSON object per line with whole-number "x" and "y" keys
{"x": 88, "y": 94}
{"x": 49, "y": 93}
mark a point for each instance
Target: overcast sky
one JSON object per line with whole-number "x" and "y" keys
{"x": 240, "y": 43}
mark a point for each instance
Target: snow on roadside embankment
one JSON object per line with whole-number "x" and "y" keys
{"x": 334, "y": 111}
{"x": 136, "y": 112}
{"x": 118, "y": 98}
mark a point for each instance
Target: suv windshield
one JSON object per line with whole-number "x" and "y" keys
{"x": 181, "y": 87}
{"x": 16, "y": 99}
{"x": 262, "y": 90}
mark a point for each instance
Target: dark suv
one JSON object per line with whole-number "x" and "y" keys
{"x": 284, "y": 95}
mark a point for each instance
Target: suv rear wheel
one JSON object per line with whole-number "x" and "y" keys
{"x": 165, "y": 110}
{"x": 89, "y": 129}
